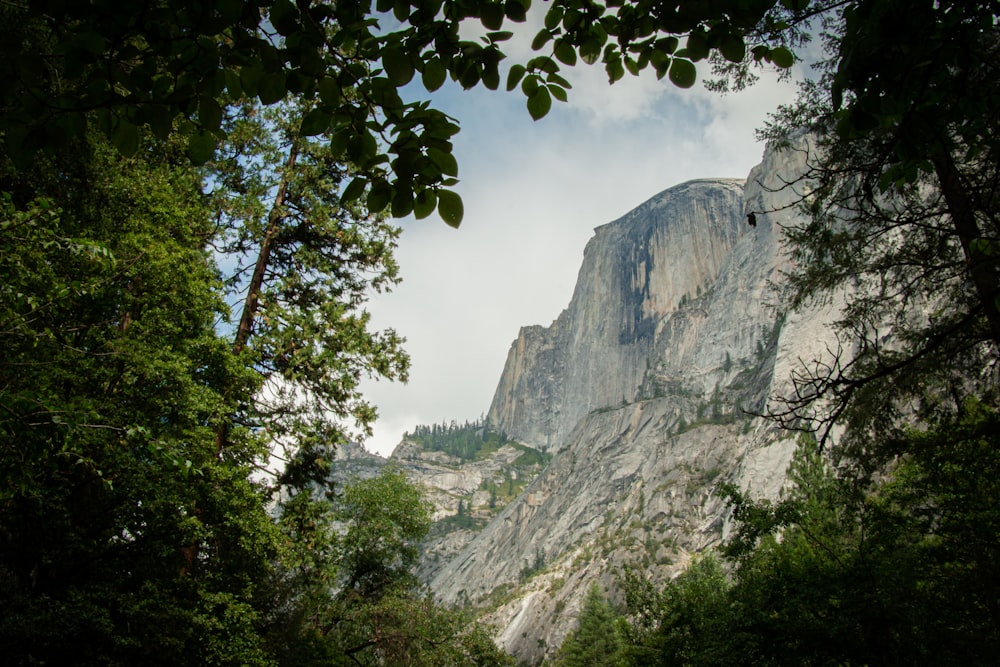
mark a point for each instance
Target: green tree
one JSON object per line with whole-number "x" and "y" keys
{"x": 124, "y": 68}
{"x": 304, "y": 267}
{"x": 360, "y": 603}
{"x": 124, "y": 538}
{"x": 597, "y": 639}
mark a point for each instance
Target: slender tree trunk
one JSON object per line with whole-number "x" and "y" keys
{"x": 982, "y": 269}
{"x": 252, "y": 302}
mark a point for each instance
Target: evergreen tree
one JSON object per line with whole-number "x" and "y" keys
{"x": 597, "y": 641}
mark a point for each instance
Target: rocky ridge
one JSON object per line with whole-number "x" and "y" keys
{"x": 644, "y": 389}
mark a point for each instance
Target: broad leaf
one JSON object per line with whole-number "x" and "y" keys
{"x": 539, "y": 103}
{"x": 683, "y": 73}
{"x": 450, "y": 208}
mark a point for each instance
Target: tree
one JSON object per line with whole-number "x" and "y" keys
{"x": 596, "y": 641}
{"x": 901, "y": 216}
{"x": 358, "y": 602}
{"x": 124, "y": 68}
{"x": 304, "y": 268}
{"x": 123, "y": 536}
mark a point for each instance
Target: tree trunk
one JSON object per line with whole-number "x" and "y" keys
{"x": 982, "y": 269}
{"x": 252, "y": 302}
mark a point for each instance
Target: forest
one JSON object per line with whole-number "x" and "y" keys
{"x": 196, "y": 200}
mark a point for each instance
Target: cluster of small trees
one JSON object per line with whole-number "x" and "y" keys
{"x": 464, "y": 441}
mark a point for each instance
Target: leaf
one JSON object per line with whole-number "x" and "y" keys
{"x": 590, "y": 51}
{"x": 514, "y": 76}
{"x": 733, "y": 49}
{"x": 782, "y": 57}
{"x": 398, "y": 66}
{"x": 209, "y": 113}
{"x": 402, "y": 203}
{"x": 125, "y": 136}
{"x": 697, "y": 46}
{"x": 450, "y": 208}
{"x": 379, "y": 196}
{"x": 315, "y": 122}
{"x": 445, "y": 161}
{"x": 615, "y": 70}
{"x": 683, "y": 73}
{"x": 558, "y": 92}
{"x": 565, "y": 52}
{"x": 434, "y": 74}
{"x": 329, "y": 91}
{"x": 424, "y": 203}
{"x": 492, "y": 16}
{"x": 201, "y": 147}
{"x": 553, "y": 17}
{"x": 539, "y": 103}
{"x": 354, "y": 190}
{"x": 272, "y": 88}
{"x": 541, "y": 39}
{"x": 517, "y": 10}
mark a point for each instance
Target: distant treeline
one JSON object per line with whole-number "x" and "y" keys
{"x": 465, "y": 441}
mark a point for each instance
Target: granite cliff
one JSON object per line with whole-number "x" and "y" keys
{"x": 644, "y": 391}
{"x": 626, "y": 412}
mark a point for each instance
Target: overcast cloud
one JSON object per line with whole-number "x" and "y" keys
{"x": 533, "y": 193}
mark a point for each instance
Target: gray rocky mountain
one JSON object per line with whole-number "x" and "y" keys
{"x": 644, "y": 390}
{"x": 642, "y": 395}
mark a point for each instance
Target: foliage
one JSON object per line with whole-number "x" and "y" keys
{"x": 123, "y": 536}
{"x": 896, "y": 572}
{"x": 468, "y": 441}
{"x": 303, "y": 268}
{"x": 597, "y": 640}
{"x": 358, "y": 602}
{"x": 177, "y": 63}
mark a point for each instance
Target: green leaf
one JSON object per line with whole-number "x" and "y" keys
{"x": 590, "y": 51}
{"x": 315, "y": 122}
{"x": 450, "y": 208}
{"x": 491, "y": 76}
{"x": 553, "y": 17}
{"x": 565, "y": 52}
{"x": 697, "y": 45}
{"x": 398, "y": 66}
{"x": 558, "y": 92}
{"x": 125, "y": 137}
{"x": 284, "y": 17}
{"x": 272, "y": 88}
{"x": 402, "y": 203}
{"x": 541, "y": 39}
{"x": 491, "y": 16}
{"x": 733, "y": 49}
{"x": 517, "y": 10}
{"x": 329, "y": 91}
{"x": 424, "y": 203}
{"x": 434, "y": 74}
{"x": 539, "y": 103}
{"x": 514, "y": 76}
{"x": 201, "y": 147}
{"x": 615, "y": 70}
{"x": 683, "y": 73}
{"x": 209, "y": 113}
{"x": 782, "y": 57}
{"x": 379, "y": 196}
{"x": 445, "y": 161}
{"x": 354, "y": 190}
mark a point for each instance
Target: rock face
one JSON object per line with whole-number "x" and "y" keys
{"x": 643, "y": 389}
{"x": 638, "y": 273}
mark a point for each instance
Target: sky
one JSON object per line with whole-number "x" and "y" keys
{"x": 533, "y": 194}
